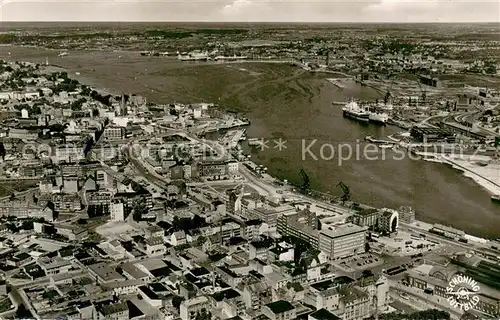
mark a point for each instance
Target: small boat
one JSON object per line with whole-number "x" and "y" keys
{"x": 482, "y": 163}
{"x": 495, "y": 198}
{"x": 386, "y": 146}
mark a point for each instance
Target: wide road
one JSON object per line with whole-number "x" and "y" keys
{"x": 256, "y": 183}
{"x": 422, "y": 301}
{"x": 19, "y": 296}
{"x": 429, "y": 235}
{"x": 142, "y": 168}
{"x": 267, "y": 189}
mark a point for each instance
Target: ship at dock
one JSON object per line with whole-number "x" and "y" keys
{"x": 365, "y": 113}
{"x": 230, "y": 58}
{"x": 353, "y": 111}
{"x": 193, "y": 56}
{"x": 495, "y": 198}
{"x": 377, "y": 115}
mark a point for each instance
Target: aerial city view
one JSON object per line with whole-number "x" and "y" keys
{"x": 345, "y": 165}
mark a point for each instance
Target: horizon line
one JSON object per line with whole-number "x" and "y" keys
{"x": 249, "y": 22}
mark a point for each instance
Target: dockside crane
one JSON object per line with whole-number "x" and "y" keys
{"x": 345, "y": 189}
{"x": 423, "y": 91}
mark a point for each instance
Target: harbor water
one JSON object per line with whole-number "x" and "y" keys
{"x": 296, "y": 107}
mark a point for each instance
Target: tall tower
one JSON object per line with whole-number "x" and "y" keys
{"x": 123, "y": 106}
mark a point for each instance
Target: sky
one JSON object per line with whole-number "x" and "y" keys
{"x": 252, "y": 10}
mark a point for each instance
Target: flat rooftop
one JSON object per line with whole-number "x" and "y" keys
{"x": 105, "y": 272}
{"x": 280, "y": 306}
{"x": 341, "y": 230}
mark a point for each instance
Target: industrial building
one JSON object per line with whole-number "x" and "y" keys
{"x": 427, "y": 135}
{"x": 335, "y": 241}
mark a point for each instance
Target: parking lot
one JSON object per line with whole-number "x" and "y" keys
{"x": 407, "y": 244}
{"x": 360, "y": 262}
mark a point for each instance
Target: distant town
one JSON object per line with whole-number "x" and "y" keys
{"x": 116, "y": 207}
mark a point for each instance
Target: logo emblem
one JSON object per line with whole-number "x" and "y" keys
{"x": 463, "y": 292}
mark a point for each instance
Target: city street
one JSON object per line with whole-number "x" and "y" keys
{"x": 421, "y": 301}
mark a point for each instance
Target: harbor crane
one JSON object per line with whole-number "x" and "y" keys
{"x": 423, "y": 91}
{"x": 388, "y": 95}
{"x": 345, "y": 189}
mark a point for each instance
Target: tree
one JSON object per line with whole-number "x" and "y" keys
{"x": 367, "y": 246}
{"x": 367, "y": 273}
{"x": 35, "y": 110}
{"x": 431, "y": 314}
{"x": 183, "y": 187}
{"x": 305, "y": 181}
{"x": 23, "y": 313}
{"x": 77, "y": 104}
{"x": 387, "y": 97}
{"x": 203, "y": 315}
{"x": 27, "y": 225}
{"x": 176, "y": 301}
{"x": 491, "y": 69}
{"x": 139, "y": 208}
{"x": 3, "y": 152}
{"x": 200, "y": 241}
{"x": 85, "y": 90}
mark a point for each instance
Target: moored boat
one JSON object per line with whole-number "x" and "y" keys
{"x": 193, "y": 56}
{"x": 353, "y": 111}
{"x": 386, "y": 146}
{"x": 377, "y": 115}
{"x": 495, "y": 198}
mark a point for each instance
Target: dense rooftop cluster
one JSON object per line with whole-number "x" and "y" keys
{"x": 113, "y": 207}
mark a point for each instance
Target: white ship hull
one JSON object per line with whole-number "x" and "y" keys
{"x": 381, "y": 118}
{"x": 353, "y": 111}
{"x": 220, "y": 58}
{"x": 360, "y": 116}
{"x": 386, "y": 146}
{"x": 193, "y": 58}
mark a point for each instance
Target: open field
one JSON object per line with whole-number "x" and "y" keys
{"x": 9, "y": 187}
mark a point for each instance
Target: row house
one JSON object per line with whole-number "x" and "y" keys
{"x": 54, "y": 266}
{"x": 256, "y": 294}
{"x": 24, "y": 134}
{"x": 66, "y": 202}
{"x": 69, "y": 152}
{"x": 72, "y": 232}
{"x": 99, "y": 198}
{"x": 155, "y": 247}
{"x": 25, "y": 209}
{"x": 114, "y": 133}
{"x": 126, "y": 287}
{"x": 189, "y": 309}
{"x": 228, "y": 275}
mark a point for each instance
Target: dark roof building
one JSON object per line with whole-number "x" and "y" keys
{"x": 323, "y": 314}
{"x": 280, "y": 306}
